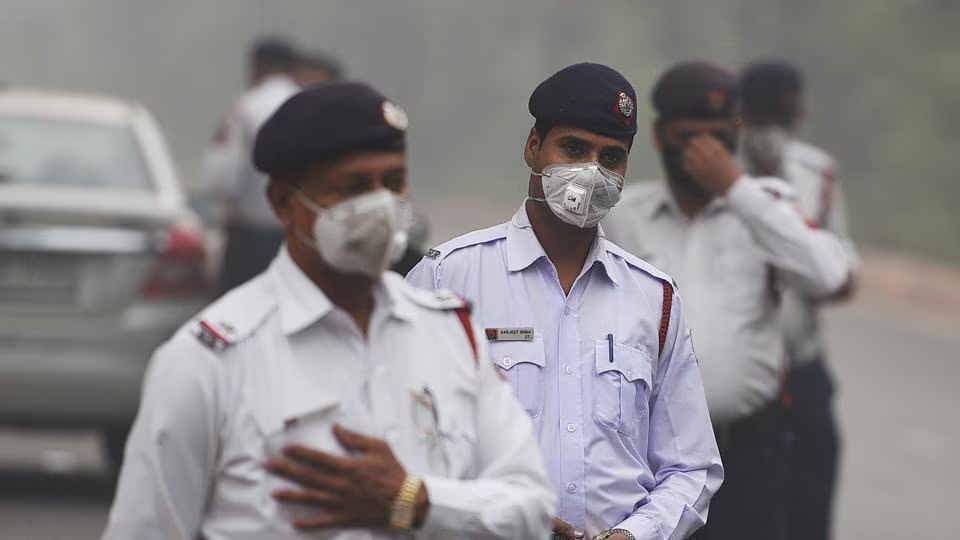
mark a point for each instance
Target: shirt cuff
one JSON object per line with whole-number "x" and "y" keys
{"x": 450, "y": 509}
{"x": 747, "y": 198}
{"x": 642, "y": 527}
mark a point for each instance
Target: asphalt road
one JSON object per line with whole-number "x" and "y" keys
{"x": 898, "y": 371}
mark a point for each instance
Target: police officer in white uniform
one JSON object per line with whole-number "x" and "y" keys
{"x": 772, "y": 110}
{"x": 731, "y": 242}
{"x": 253, "y": 234}
{"x": 327, "y": 398}
{"x": 592, "y": 339}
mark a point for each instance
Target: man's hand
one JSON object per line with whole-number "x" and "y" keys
{"x": 565, "y": 529}
{"x": 355, "y": 492}
{"x": 709, "y": 163}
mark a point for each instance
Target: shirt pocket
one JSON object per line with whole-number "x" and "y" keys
{"x": 310, "y": 426}
{"x": 522, "y": 362}
{"x": 621, "y": 387}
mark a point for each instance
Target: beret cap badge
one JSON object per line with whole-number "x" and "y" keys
{"x": 625, "y": 105}
{"x": 716, "y": 100}
{"x": 395, "y": 116}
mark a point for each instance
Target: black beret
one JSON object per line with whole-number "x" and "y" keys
{"x": 593, "y": 97}
{"x": 766, "y": 84}
{"x": 699, "y": 90}
{"x": 328, "y": 121}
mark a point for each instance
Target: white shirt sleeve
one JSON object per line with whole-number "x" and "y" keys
{"x": 426, "y": 275}
{"x": 810, "y": 260}
{"x": 511, "y": 496}
{"x": 835, "y": 220}
{"x": 682, "y": 451}
{"x": 225, "y": 160}
{"x": 170, "y": 458}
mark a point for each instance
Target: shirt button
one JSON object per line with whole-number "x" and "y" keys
{"x": 507, "y": 361}
{"x": 569, "y": 370}
{"x": 571, "y": 428}
{"x": 566, "y": 311}
{"x": 571, "y": 488}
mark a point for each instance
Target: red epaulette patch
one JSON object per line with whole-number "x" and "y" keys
{"x": 210, "y": 337}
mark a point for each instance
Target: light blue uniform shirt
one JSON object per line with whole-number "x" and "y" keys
{"x": 626, "y": 436}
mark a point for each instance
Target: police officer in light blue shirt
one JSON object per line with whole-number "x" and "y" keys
{"x": 592, "y": 338}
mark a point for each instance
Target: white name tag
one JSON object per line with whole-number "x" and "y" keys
{"x": 509, "y": 334}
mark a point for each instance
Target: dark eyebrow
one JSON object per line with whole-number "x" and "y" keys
{"x": 618, "y": 151}
{"x": 573, "y": 139}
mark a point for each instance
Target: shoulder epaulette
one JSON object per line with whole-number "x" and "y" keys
{"x": 446, "y": 300}
{"x": 481, "y": 236}
{"x": 232, "y": 319}
{"x": 776, "y": 188}
{"x": 442, "y": 300}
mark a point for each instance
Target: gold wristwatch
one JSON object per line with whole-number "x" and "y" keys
{"x": 404, "y": 511}
{"x": 610, "y": 532}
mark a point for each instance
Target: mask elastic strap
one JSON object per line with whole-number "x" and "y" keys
{"x": 304, "y": 200}
{"x": 306, "y": 239}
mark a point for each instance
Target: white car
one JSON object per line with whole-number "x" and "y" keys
{"x": 100, "y": 259}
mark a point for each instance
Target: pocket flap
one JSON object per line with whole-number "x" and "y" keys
{"x": 632, "y": 363}
{"x": 507, "y": 354}
{"x": 274, "y": 419}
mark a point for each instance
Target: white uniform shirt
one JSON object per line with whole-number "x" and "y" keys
{"x": 228, "y": 166}
{"x": 729, "y": 262}
{"x": 296, "y": 364}
{"x": 811, "y": 172}
{"x": 623, "y": 428}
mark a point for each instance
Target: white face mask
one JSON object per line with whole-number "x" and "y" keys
{"x": 763, "y": 150}
{"x": 580, "y": 194}
{"x": 364, "y": 234}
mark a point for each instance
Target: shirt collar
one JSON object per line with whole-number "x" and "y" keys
{"x": 523, "y": 248}
{"x": 302, "y": 303}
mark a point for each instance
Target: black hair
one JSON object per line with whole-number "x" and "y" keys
{"x": 273, "y": 54}
{"x": 542, "y": 129}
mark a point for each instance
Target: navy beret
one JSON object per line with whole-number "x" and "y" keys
{"x": 593, "y": 97}
{"x": 699, "y": 90}
{"x": 766, "y": 84}
{"x": 325, "y": 122}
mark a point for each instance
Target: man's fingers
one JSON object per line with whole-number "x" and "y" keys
{"x": 317, "y": 459}
{"x": 303, "y": 475}
{"x": 352, "y": 440}
{"x": 324, "y": 521}
{"x": 310, "y": 498}
{"x": 565, "y": 529}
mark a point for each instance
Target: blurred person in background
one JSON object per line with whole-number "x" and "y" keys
{"x": 253, "y": 233}
{"x": 592, "y": 339}
{"x": 328, "y": 396}
{"x": 731, "y": 242}
{"x": 315, "y": 68}
{"x": 772, "y": 111}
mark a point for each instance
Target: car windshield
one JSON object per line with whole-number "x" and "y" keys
{"x": 62, "y": 153}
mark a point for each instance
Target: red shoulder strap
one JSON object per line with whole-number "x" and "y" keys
{"x": 463, "y": 314}
{"x": 665, "y": 316}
